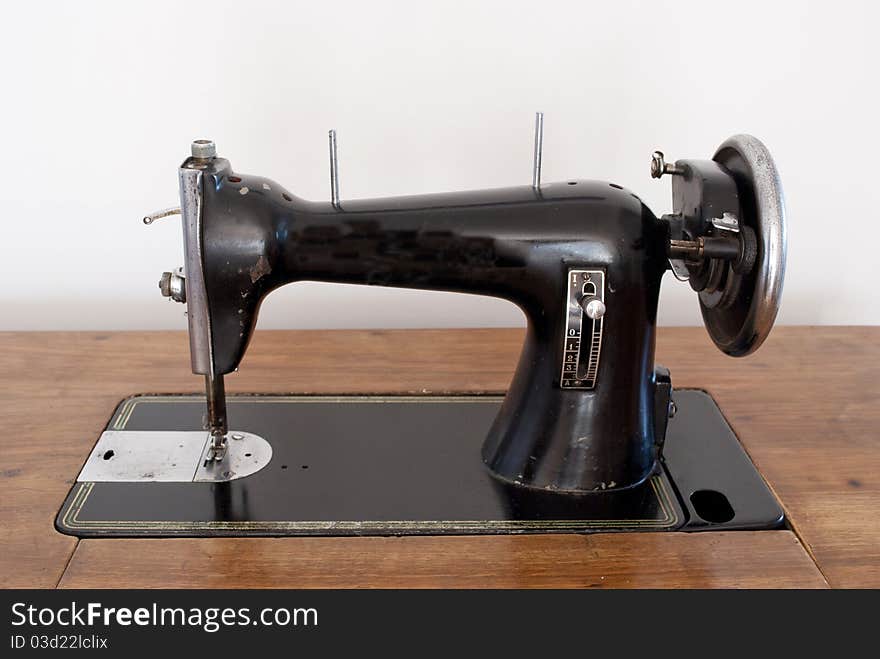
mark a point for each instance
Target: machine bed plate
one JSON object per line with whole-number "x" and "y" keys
{"x": 405, "y": 465}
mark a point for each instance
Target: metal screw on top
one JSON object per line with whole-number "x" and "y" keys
{"x": 659, "y": 166}
{"x": 203, "y": 149}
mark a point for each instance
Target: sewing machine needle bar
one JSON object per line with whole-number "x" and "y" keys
{"x": 334, "y": 171}
{"x": 539, "y": 149}
{"x": 216, "y": 394}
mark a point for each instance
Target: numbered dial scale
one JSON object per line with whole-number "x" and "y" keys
{"x": 585, "y": 304}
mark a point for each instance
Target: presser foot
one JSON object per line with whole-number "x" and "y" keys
{"x": 216, "y": 450}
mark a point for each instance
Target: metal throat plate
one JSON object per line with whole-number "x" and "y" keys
{"x": 172, "y": 456}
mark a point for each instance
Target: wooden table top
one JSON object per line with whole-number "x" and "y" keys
{"x": 806, "y": 407}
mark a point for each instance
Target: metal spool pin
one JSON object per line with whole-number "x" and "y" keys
{"x": 334, "y": 171}
{"x": 539, "y": 151}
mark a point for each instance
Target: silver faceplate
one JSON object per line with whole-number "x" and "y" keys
{"x": 158, "y": 456}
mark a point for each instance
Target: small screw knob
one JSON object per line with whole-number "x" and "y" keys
{"x": 659, "y": 166}
{"x": 594, "y": 309}
{"x": 173, "y": 285}
{"x": 165, "y": 284}
{"x": 204, "y": 149}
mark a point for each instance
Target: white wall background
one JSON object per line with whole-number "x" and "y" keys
{"x": 100, "y": 102}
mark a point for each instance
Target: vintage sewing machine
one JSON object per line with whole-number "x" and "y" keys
{"x": 590, "y": 435}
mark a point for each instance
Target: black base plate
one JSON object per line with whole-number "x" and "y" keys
{"x": 367, "y": 465}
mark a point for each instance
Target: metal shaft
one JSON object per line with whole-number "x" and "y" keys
{"x": 725, "y": 248}
{"x": 539, "y": 149}
{"x": 216, "y": 394}
{"x": 158, "y": 215}
{"x": 334, "y": 171}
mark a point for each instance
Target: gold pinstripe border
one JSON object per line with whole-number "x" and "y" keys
{"x": 71, "y": 518}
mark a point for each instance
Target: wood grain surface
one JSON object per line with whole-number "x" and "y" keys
{"x": 806, "y": 407}
{"x": 645, "y": 560}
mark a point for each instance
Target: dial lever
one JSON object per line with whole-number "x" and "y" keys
{"x": 593, "y": 307}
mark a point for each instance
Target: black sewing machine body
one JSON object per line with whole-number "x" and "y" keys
{"x": 518, "y": 244}
{"x": 583, "y": 439}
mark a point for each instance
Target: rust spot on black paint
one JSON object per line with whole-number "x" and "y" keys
{"x": 260, "y": 269}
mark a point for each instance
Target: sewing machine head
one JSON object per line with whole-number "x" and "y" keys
{"x": 586, "y": 410}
